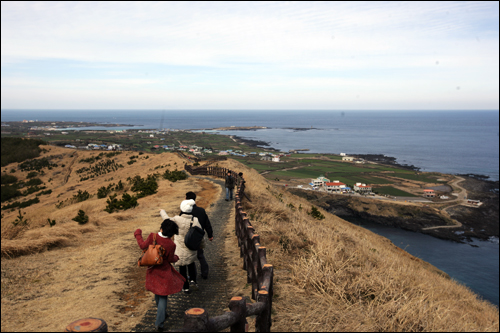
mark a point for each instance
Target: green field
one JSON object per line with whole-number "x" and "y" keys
{"x": 389, "y": 190}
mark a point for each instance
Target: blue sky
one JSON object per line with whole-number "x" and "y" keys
{"x": 251, "y": 55}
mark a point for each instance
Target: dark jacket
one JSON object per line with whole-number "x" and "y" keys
{"x": 229, "y": 183}
{"x": 203, "y": 219}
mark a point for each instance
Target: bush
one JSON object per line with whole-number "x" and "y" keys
{"x": 20, "y": 219}
{"x": 175, "y": 175}
{"x": 51, "y": 222}
{"x": 10, "y": 192}
{"x": 8, "y": 179}
{"x": 146, "y": 186}
{"x": 81, "y": 218}
{"x": 19, "y": 149}
{"x": 34, "y": 182}
{"x": 23, "y": 204}
{"x": 316, "y": 213}
{"x": 126, "y": 202}
{"x": 32, "y": 174}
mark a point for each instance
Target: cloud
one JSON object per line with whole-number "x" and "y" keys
{"x": 207, "y": 44}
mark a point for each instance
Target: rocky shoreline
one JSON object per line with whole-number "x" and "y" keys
{"x": 480, "y": 223}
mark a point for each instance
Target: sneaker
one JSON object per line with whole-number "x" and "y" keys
{"x": 186, "y": 291}
{"x": 193, "y": 285}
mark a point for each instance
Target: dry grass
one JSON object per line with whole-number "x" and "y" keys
{"x": 331, "y": 275}
{"x": 52, "y": 276}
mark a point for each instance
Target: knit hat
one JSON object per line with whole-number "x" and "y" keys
{"x": 187, "y": 206}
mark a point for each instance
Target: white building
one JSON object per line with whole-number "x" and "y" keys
{"x": 320, "y": 181}
{"x": 335, "y": 186}
{"x": 348, "y": 158}
{"x": 362, "y": 187}
{"x": 276, "y": 159}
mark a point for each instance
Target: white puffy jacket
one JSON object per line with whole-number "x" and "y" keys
{"x": 186, "y": 256}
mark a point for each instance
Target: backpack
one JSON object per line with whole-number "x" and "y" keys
{"x": 153, "y": 255}
{"x": 193, "y": 237}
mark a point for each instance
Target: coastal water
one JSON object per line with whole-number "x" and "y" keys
{"x": 444, "y": 141}
{"x": 475, "y": 267}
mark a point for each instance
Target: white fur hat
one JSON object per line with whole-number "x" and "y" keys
{"x": 187, "y": 206}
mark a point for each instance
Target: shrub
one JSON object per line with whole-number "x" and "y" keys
{"x": 34, "y": 182}
{"x": 126, "y": 202}
{"x": 10, "y": 192}
{"x": 81, "y": 196}
{"x": 23, "y": 204}
{"x": 32, "y": 174}
{"x": 51, "y": 222}
{"x": 146, "y": 186}
{"x": 81, "y": 218}
{"x": 175, "y": 175}
{"x": 19, "y": 149}
{"x": 8, "y": 179}
{"x": 20, "y": 219}
{"x": 316, "y": 213}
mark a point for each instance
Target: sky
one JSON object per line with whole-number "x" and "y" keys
{"x": 250, "y": 55}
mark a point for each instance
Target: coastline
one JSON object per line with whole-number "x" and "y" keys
{"x": 476, "y": 222}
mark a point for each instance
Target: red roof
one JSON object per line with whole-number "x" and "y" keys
{"x": 334, "y": 184}
{"x": 363, "y": 186}
{"x": 428, "y": 190}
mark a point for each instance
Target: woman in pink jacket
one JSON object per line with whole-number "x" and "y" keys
{"x": 162, "y": 280}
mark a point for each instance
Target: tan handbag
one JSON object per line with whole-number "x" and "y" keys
{"x": 153, "y": 255}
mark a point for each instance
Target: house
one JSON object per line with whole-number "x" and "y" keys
{"x": 276, "y": 159}
{"x": 342, "y": 154}
{"x": 266, "y": 158}
{"x": 223, "y": 153}
{"x": 362, "y": 187}
{"x": 335, "y": 186}
{"x": 320, "y": 181}
{"x": 347, "y": 158}
{"x": 428, "y": 193}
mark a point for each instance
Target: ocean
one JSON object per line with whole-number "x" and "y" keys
{"x": 454, "y": 142}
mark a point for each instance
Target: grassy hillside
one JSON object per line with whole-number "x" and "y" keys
{"x": 331, "y": 275}
{"x": 52, "y": 276}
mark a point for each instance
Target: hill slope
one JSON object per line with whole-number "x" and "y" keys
{"x": 331, "y": 275}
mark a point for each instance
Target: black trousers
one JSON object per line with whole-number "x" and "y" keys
{"x": 203, "y": 264}
{"x": 192, "y": 273}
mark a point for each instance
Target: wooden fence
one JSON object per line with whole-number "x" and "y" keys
{"x": 259, "y": 272}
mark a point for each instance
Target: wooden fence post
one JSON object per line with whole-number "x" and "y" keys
{"x": 196, "y": 319}
{"x": 263, "y": 320}
{"x": 87, "y": 325}
{"x": 239, "y": 306}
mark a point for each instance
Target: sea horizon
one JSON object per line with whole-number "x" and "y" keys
{"x": 446, "y": 141}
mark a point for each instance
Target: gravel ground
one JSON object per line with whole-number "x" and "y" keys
{"x": 212, "y": 294}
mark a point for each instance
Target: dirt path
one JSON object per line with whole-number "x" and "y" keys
{"x": 70, "y": 168}
{"x": 212, "y": 294}
{"x": 460, "y": 197}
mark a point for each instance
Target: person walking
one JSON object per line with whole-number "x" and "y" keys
{"x": 229, "y": 183}
{"x": 162, "y": 280}
{"x": 186, "y": 256}
{"x": 202, "y": 216}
